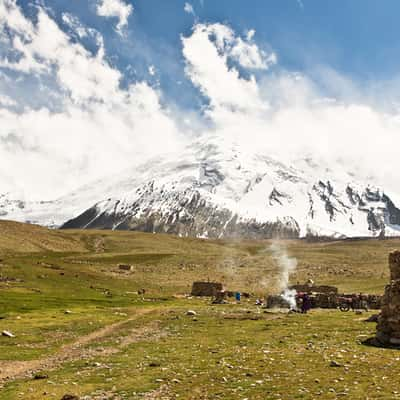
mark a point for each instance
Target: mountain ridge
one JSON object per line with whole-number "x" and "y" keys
{"x": 216, "y": 189}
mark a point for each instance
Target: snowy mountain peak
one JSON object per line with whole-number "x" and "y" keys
{"x": 217, "y": 189}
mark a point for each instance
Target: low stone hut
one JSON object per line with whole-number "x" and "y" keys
{"x": 206, "y": 288}
{"x": 125, "y": 267}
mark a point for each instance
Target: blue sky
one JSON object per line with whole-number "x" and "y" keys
{"x": 358, "y": 38}
{"x": 83, "y": 82}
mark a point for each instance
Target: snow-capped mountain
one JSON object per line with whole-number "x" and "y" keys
{"x": 218, "y": 190}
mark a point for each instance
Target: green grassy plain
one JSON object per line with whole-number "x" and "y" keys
{"x": 80, "y": 323}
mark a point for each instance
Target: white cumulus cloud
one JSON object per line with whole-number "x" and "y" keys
{"x": 207, "y": 52}
{"x": 285, "y": 114}
{"x": 115, "y": 8}
{"x": 101, "y": 127}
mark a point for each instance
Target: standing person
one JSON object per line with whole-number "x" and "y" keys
{"x": 363, "y": 302}
{"x": 237, "y": 296}
{"x": 306, "y": 304}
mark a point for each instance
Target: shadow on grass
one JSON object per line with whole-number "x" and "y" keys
{"x": 374, "y": 342}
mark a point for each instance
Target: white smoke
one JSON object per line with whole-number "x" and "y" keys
{"x": 289, "y": 295}
{"x": 287, "y": 265}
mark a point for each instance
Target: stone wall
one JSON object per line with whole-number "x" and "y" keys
{"x": 306, "y": 288}
{"x": 388, "y": 327}
{"x": 206, "y": 288}
{"x": 331, "y": 300}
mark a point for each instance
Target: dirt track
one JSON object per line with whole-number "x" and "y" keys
{"x": 11, "y": 370}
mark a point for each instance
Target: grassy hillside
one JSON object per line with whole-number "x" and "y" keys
{"x": 23, "y": 238}
{"x": 79, "y": 320}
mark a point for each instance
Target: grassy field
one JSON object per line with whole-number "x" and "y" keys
{"x": 81, "y": 327}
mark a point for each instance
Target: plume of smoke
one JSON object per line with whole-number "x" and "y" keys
{"x": 289, "y": 295}
{"x": 287, "y": 265}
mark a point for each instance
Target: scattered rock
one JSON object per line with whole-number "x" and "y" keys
{"x": 154, "y": 364}
{"x": 191, "y": 312}
{"x": 40, "y": 376}
{"x": 334, "y": 363}
{"x": 8, "y": 334}
{"x": 69, "y": 397}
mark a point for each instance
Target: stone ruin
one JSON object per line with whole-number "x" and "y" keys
{"x": 321, "y": 296}
{"x": 311, "y": 288}
{"x": 324, "y": 296}
{"x": 125, "y": 267}
{"x": 388, "y": 327}
{"x": 207, "y": 289}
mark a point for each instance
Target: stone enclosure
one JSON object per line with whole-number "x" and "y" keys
{"x": 206, "y": 288}
{"x": 388, "y": 327}
{"x": 324, "y": 296}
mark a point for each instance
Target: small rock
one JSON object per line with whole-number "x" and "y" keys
{"x": 7, "y": 334}
{"x": 334, "y": 363}
{"x": 154, "y": 364}
{"x": 67, "y": 312}
{"x": 69, "y": 397}
{"x": 191, "y": 312}
{"x": 40, "y": 376}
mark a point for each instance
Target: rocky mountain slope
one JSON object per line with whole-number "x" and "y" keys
{"x": 215, "y": 190}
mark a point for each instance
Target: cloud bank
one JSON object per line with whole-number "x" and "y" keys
{"x": 93, "y": 125}
{"x": 286, "y": 114}
{"x": 101, "y": 127}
